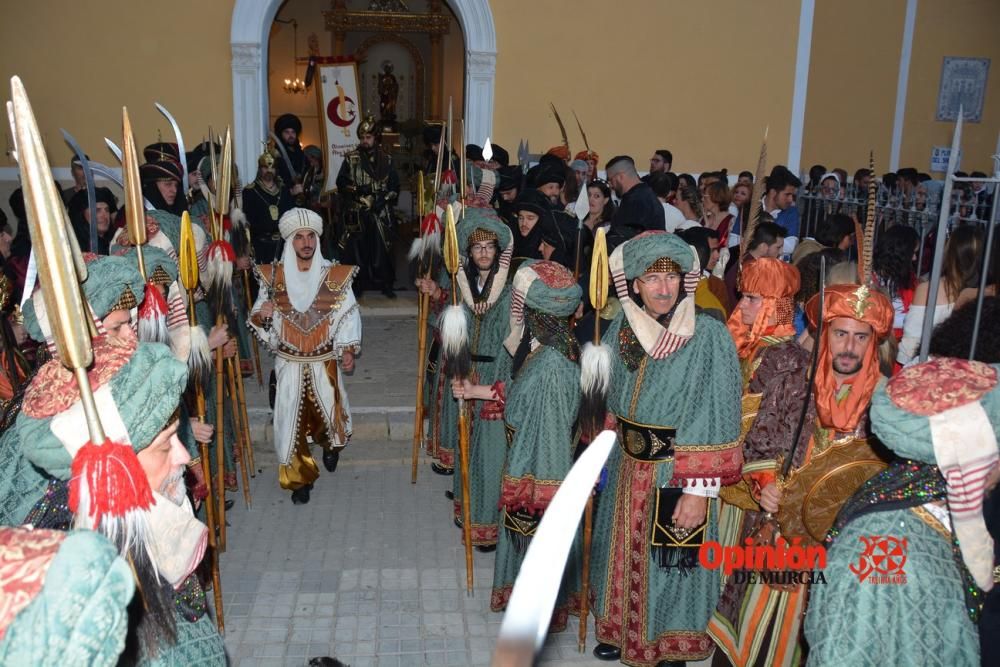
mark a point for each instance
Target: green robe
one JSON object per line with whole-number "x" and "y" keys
{"x": 442, "y": 407}
{"x": 21, "y": 483}
{"x": 920, "y": 622}
{"x": 540, "y": 414}
{"x": 207, "y": 321}
{"x": 653, "y": 613}
{"x": 79, "y": 615}
{"x": 487, "y": 441}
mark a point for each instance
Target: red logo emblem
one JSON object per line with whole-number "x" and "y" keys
{"x": 882, "y": 560}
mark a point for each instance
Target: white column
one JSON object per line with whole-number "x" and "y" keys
{"x": 249, "y": 107}
{"x": 802, "y": 53}
{"x": 480, "y": 75}
{"x": 902, "y": 83}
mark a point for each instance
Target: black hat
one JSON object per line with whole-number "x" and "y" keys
{"x": 161, "y": 151}
{"x": 500, "y": 155}
{"x": 201, "y": 150}
{"x": 432, "y": 134}
{"x": 559, "y": 230}
{"x": 285, "y": 121}
{"x": 532, "y": 201}
{"x": 551, "y": 174}
{"x": 510, "y": 178}
{"x": 78, "y": 203}
{"x": 473, "y": 152}
{"x": 158, "y": 171}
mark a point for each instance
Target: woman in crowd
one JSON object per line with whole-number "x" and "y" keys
{"x": 602, "y": 209}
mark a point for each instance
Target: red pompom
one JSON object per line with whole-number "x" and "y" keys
{"x": 430, "y": 224}
{"x": 227, "y": 224}
{"x": 153, "y": 304}
{"x": 114, "y": 479}
{"x": 222, "y": 250}
{"x": 448, "y": 177}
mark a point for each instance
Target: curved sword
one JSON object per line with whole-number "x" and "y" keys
{"x": 284, "y": 156}
{"x": 114, "y": 148}
{"x": 89, "y": 178}
{"x": 107, "y": 174}
{"x": 180, "y": 144}
{"x": 529, "y": 609}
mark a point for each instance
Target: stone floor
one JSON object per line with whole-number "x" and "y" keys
{"x": 371, "y": 570}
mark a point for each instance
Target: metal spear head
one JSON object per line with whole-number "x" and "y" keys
{"x": 188, "y": 259}
{"x": 224, "y": 177}
{"x": 52, "y": 245}
{"x": 487, "y": 150}
{"x": 450, "y": 241}
{"x": 599, "y": 276}
{"x": 582, "y": 206}
{"x": 135, "y": 214}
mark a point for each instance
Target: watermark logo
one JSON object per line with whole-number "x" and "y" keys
{"x": 782, "y": 563}
{"x": 882, "y": 560}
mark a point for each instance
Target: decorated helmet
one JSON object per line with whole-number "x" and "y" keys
{"x": 367, "y": 126}
{"x": 266, "y": 158}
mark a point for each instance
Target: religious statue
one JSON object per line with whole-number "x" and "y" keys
{"x": 388, "y": 91}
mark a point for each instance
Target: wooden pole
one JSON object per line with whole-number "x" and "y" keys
{"x": 240, "y": 430}
{"x": 463, "y": 452}
{"x": 220, "y": 442}
{"x": 418, "y": 417}
{"x": 241, "y": 395}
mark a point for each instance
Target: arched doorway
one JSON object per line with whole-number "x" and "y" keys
{"x": 251, "y": 25}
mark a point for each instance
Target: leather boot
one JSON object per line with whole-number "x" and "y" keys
{"x": 607, "y": 652}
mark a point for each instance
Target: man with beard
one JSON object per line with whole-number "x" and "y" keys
{"x": 138, "y": 389}
{"x": 485, "y": 293}
{"x": 639, "y": 209}
{"x": 306, "y": 315}
{"x": 369, "y": 185}
{"x": 674, "y": 395}
{"x": 264, "y": 202}
{"x": 287, "y": 128}
{"x": 79, "y": 217}
{"x": 508, "y": 187}
{"x": 161, "y": 178}
{"x": 549, "y": 180}
{"x": 757, "y": 623}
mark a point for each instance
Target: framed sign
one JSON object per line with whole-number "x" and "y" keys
{"x": 336, "y": 96}
{"x": 963, "y": 84}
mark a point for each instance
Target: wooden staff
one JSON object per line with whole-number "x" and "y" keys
{"x": 240, "y": 429}
{"x": 451, "y": 263}
{"x": 422, "y": 308}
{"x": 241, "y": 395}
{"x": 599, "y": 299}
{"x": 188, "y": 269}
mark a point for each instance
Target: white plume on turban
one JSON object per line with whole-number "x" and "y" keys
{"x": 299, "y": 218}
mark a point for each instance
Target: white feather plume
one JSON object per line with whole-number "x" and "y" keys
{"x": 595, "y": 369}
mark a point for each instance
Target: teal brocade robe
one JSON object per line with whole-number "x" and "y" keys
{"x": 487, "y": 441}
{"x": 541, "y": 410}
{"x": 920, "y": 622}
{"x": 653, "y": 613}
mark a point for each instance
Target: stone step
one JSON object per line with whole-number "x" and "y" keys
{"x": 371, "y": 424}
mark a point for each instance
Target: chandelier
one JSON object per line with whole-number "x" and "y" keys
{"x": 294, "y": 85}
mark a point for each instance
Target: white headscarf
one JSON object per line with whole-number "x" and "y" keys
{"x": 301, "y": 285}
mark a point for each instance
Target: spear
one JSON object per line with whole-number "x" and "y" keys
{"x": 594, "y": 379}
{"x": 188, "y": 269}
{"x": 108, "y": 486}
{"x": 453, "y": 320}
{"x": 423, "y": 306}
{"x": 750, "y": 224}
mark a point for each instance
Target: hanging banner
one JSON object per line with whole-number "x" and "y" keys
{"x": 337, "y": 95}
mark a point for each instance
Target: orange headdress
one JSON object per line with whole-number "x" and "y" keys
{"x": 861, "y": 303}
{"x": 777, "y": 282}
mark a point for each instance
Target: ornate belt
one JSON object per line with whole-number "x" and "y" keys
{"x": 509, "y": 431}
{"x": 646, "y": 442}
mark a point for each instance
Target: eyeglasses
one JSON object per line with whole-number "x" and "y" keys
{"x": 481, "y": 247}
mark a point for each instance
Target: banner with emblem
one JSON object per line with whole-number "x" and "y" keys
{"x": 336, "y": 96}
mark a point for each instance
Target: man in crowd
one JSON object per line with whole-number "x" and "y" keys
{"x": 639, "y": 209}
{"x": 307, "y": 316}
{"x": 652, "y": 601}
{"x": 369, "y": 185}
{"x": 264, "y": 202}
{"x": 767, "y": 240}
{"x": 287, "y": 128}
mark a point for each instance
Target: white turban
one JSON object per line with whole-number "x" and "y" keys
{"x": 299, "y": 218}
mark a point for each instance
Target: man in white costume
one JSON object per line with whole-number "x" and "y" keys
{"x": 307, "y": 316}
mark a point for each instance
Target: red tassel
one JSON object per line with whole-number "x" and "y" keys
{"x": 222, "y": 249}
{"x": 430, "y": 224}
{"x": 153, "y": 304}
{"x": 448, "y": 177}
{"x": 116, "y": 482}
{"x": 227, "y": 224}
